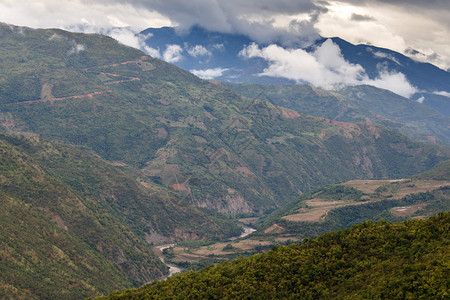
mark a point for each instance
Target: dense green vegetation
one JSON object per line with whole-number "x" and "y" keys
{"x": 208, "y": 145}
{"x": 72, "y": 225}
{"x": 357, "y": 103}
{"x": 439, "y": 172}
{"x": 408, "y": 260}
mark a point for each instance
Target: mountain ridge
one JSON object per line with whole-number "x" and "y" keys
{"x": 215, "y": 148}
{"x": 197, "y": 51}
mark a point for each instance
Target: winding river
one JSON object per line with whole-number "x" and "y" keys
{"x": 174, "y": 269}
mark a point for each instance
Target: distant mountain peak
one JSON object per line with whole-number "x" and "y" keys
{"x": 326, "y": 66}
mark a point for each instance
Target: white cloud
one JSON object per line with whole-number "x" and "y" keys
{"x": 393, "y": 81}
{"x": 129, "y": 37}
{"x": 396, "y": 25}
{"x": 126, "y": 36}
{"x": 442, "y": 93}
{"x": 379, "y": 54}
{"x": 325, "y": 67}
{"x": 173, "y": 53}
{"x": 66, "y": 14}
{"x": 198, "y": 50}
{"x": 56, "y": 37}
{"x": 421, "y": 99}
{"x": 76, "y": 48}
{"x": 209, "y": 73}
{"x": 153, "y": 52}
{"x": 219, "y": 47}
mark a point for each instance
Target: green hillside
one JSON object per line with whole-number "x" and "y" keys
{"x": 357, "y": 103}
{"x": 408, "y": 260}
{"x": 342, "y": 205}
{"x": 439, "y": 172}
{"x": 74, "y": 226}
{"x": 212, "y": 147}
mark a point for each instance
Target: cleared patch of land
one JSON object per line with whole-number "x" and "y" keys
{"x": 317, "y": 210}
{"x": 373, "y": 190}
{"x": 406, "y": 210}
{"x": 369, "y": 186}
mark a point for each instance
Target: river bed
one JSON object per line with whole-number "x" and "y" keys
{"x": 174, "y": 269}
{"x": 247, "y": 231}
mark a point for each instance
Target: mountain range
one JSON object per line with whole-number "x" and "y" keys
{"x": 107, "y": 151}
{"x": 238, "y": 59}
{"x": 217, "y": 149}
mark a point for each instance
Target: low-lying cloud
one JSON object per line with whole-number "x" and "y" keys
{"x": 129, "y": 37}
{"x": 209, "y": 73}
{"x": 325, "y": 67}
{"x": 173, "y": 53}
{"x": 361, "y": 18}
{"x": 76, "y": 48}
{"x": 442, "y": 93}
{"x": 394, "y": 82}
{"x": 198, "y": 50}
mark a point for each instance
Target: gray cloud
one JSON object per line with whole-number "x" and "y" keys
{"x": 437, "y": 4}
{"x": 399, "y": 24}
{"x": 361, "y": 18}
{"x": 254, "y": 18}
{"x": 437, "y": 9}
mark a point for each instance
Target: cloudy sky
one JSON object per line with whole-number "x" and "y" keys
{"x": 395, "y": 24}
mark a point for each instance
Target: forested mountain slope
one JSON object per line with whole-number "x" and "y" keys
{"x": 74, "y": 226}
{"x": 370, "y": 260}
{"x": 356, "y": 104}
{"x": 211, "y": 146}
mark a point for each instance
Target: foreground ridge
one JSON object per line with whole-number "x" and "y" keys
{"x": 370, "y": 260}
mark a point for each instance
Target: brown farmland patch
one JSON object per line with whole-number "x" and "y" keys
{"x": 420, "y": 186}
{"x": 317, "y": 210}
{"x": 275, "y": 228}
{"x": 369, "y": 186}
{"x": 289, "y": 114}
{"x": 244, "y": 171}
{"x": 179, "y": 187}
